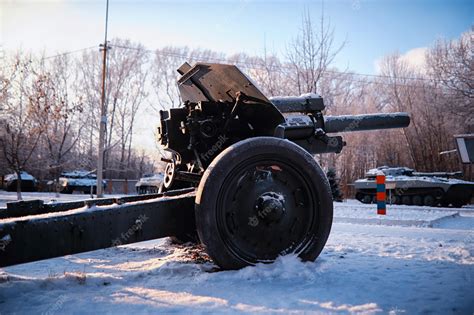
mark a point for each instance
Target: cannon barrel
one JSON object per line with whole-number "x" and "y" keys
{"x": 294, "y": 104}
{"x": 349, "y": 123}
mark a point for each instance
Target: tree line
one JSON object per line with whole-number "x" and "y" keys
{"x": 50, "y": 106}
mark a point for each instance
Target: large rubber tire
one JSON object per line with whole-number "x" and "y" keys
{"x": 259, "y": 167}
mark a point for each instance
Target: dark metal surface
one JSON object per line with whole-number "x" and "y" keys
{"x": 298, "y": 104}
{"x": 222, "y": 83}
{"x": 219, "y": 82}
{"x": 267, "y": 208}
{"x": 38, "y": 237}
{"x": 32, "y": 207}
{"x": 349, "y": 123}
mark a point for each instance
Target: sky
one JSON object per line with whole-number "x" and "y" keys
{"x": 370, "y": 29}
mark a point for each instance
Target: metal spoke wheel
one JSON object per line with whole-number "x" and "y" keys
{"x": 261, "y": 198}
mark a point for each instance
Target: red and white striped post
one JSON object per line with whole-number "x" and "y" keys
{"x": 381, "y": 194}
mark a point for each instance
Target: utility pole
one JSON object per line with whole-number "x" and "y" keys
{"x": 103, "y": 112}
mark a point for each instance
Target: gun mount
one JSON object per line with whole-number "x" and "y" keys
{"x": 258, "y": 191}
{"x": 222, "y": 106}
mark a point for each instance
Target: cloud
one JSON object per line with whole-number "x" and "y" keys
{"x": 415, "y": 59}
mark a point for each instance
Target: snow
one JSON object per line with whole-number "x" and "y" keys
{"x": 93, "y": 208}
{"x": 151, "y": 179}
{"x": 295, "y": 98}
{"x": 434, "y": 179}
{"x": 393, "y": 174}
{"x": 79, "y": 178}
{"x": 24, "y": 176}
{"x": 78, "y": 174}
{"x": 356, "y": 212}
{"x": 6, "y": 196}
{"x": 365, "y": 268}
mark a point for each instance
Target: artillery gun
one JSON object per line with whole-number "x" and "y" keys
{"x": 240, "y": 171}
{"x": 409, "y": 187}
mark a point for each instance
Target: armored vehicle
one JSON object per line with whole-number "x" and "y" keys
{"x": 28, "y": 182}
{"x": 149, "y": 183}
{"x": 240, "y": 172}
{"x": 78, "y": 180}
{"x": 405, "y": 186}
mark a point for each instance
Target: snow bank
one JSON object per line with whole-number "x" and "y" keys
{"x": 396, "y": 214}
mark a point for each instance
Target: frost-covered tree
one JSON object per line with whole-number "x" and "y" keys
{"x": 127, "y": 73}
{"x": 19, "y": 130}
{"x": 451, "y": 64}
{"x": 58, "y": 112}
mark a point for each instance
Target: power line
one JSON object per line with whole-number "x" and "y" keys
{"x": 68, "y": 52}
{"x": 170, "y": 54}
{"x": 253, "y": 66}
{"x": 53, "y": 56}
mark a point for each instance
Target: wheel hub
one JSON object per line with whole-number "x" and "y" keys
{"x": 270, "y": 207}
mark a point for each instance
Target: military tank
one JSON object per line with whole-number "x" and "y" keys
{"x": 408, "y": 187}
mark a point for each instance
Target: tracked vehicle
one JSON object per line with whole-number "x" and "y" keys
{"x": 408, "y": 187}
{"x": 241, "y": 174}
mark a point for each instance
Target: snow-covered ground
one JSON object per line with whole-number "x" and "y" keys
{"x": 414, "y": 260}
{"x": 6, "y": 196}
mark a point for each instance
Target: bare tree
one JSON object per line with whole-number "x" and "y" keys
{"x": 165, "y": 63}
{"x": 58, "y": 113}
{"x": 19, "y": 131}
{"x": 128, "y": 74}
{"x": 451, "y": 63}
{"x": 430, "y": 129}
{"x": 125, "y": 93}
{"x": 88, "y": 86}
{"x": 311, "y": 53}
